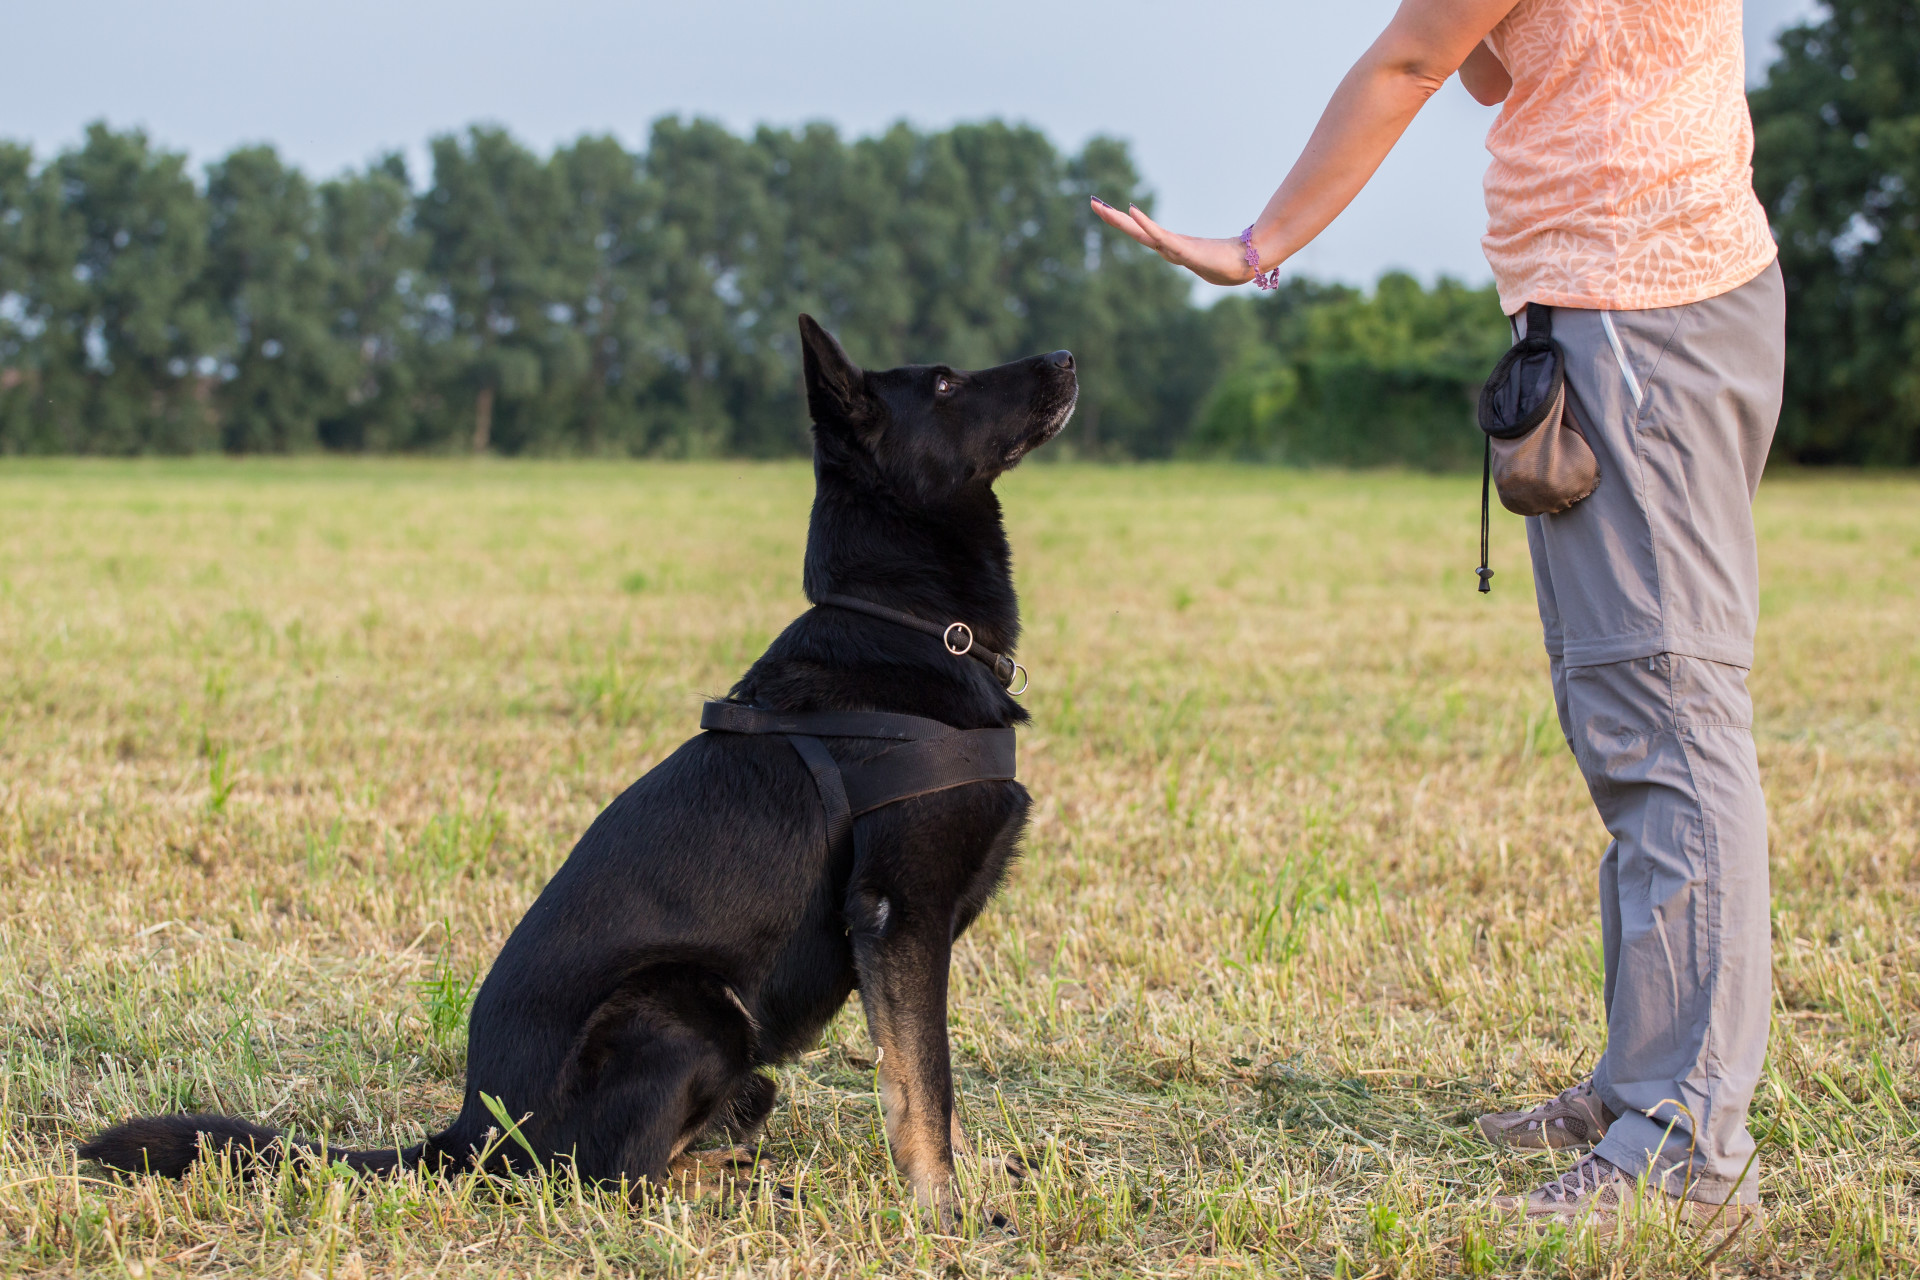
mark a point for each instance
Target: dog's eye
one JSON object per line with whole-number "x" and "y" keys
{"x": 942, "y": 385}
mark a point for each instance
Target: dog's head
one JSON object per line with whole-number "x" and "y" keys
{"x": 932, "y": 430}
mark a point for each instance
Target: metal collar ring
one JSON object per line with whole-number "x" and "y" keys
{"x": 956, "y": 638}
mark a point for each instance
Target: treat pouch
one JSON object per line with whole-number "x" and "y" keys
{"x": 1539, "y": 460}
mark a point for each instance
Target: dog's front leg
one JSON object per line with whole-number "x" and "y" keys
{"x": 902, "y": 957}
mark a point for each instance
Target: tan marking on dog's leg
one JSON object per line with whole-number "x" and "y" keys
{"x": 917, "y": 1127}
{"x": 903, "y": 987}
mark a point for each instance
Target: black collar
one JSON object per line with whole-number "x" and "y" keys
{"x": 956, "y": 638}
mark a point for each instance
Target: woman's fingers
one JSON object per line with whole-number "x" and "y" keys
{"x": 1215, "y": 261}
{"x": 1155, "y": 232}
{"x": 1156, "y": 237}
{"x": 1119, "y": 221}
{"x": 1136, "y": 224}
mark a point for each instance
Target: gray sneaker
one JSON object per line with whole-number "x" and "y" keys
{"x": 1577, "y": 1119}
{"x": 1595, "y": 1193}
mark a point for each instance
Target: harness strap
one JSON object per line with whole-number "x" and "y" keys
{"x": 733, "y": 717}
{"x": 955, "y": 637}
{"x": 930, "y": 765}
{"x": 833, "y": 792}
{"x": 930, "y": 757}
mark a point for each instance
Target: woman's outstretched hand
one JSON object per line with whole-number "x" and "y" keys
{"x": 1215, "y": 261}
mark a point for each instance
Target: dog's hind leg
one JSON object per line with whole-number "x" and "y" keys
{"x": 657, "y": 1065}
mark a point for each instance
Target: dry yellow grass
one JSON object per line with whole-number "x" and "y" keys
{"x": 285, "y": 749}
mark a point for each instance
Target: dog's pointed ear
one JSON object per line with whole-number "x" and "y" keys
{"x": 836, "y": 387}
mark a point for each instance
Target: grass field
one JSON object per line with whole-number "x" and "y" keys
{"x": 286, "y": 748}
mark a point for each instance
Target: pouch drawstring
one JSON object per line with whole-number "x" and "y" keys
{"x": 1486, "y": 483}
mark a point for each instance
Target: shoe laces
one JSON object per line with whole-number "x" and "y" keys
{"x": 1567, "y": 1097}
{"x": 1591, "y": 1174}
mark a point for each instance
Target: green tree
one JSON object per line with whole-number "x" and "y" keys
{"x": 131, "y": 335}
{"x": 840, "y": 256}
{"x": 18, "y": 383}
{"x": 375, "y": 261}
{"x": 1837, "y": 164}
{"x": 1338, "y": 377}
{"x": 611, "y": 278}
{"x": 499, "y": 329}
{"x": 836, "y": 255}
{"x": 269, "y": 268}
{"x": 43, "y": 386}
{"x": 720, "y": 257}
{"x": 16, "y": 186}
{"x": 982, "y": 239}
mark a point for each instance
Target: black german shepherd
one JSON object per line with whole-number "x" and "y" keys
{"x": 705, "y": 927}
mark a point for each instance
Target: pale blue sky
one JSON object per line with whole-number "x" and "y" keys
{"x": 1215, "y": 95}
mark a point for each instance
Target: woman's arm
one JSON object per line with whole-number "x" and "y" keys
{"x": 1413, "y": 57}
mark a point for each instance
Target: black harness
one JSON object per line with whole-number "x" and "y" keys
{"x": 930, "y": 756}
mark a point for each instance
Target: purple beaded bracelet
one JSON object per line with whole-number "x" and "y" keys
{"x": 1265, "y": 279}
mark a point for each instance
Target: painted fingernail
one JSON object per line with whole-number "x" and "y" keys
{"x": 1102, "y": 203}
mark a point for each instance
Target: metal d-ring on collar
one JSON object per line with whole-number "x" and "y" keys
{"x": 955, "y": 637}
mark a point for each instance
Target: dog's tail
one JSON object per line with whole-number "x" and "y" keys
{"x": 169, "y": 1145}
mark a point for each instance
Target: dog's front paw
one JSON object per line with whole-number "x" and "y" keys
{"x": 988, "y": 1169}
{"x": 988, "y": 1175}
{"x": 980, "y": 1220}
{"x": 970, "y": 1220}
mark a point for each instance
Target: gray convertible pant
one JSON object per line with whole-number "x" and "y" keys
{"x": 1649, "y": 595}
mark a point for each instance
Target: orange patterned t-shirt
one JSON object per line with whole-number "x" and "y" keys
{"x": 1622, "y": 173}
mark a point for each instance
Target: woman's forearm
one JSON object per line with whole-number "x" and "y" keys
{"x": 1368, "y": 112}
{"x": 1373, "y": 106}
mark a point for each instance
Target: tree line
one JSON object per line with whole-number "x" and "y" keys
{"x": 603, "y": 300}
{"x": 590, "y": 300}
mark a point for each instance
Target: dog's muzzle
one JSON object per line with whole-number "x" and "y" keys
{"x": 1052, "y": 421}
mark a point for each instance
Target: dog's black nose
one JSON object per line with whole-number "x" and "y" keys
{"x": 1059, "y": 359}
